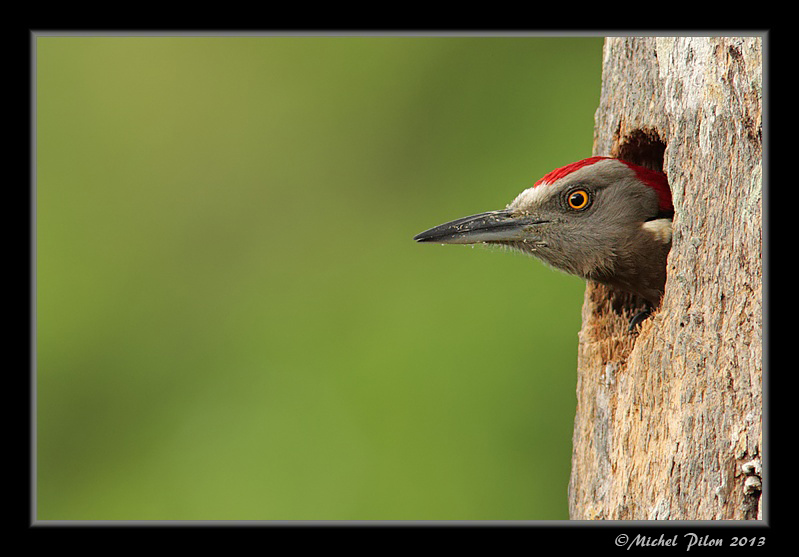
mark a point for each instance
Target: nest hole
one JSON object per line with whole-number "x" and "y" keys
{"x": 642, "y": 147}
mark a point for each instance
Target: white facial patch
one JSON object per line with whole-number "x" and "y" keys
{"x": 531, "y": 197}
{"x": 660, "y": 228}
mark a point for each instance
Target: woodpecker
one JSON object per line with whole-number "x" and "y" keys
{"x": 600, "y": 218}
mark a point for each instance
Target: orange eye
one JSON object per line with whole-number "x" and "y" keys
{"x": 578, "y": 199}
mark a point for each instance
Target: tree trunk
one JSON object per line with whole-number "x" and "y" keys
{"x": 668, "y": 422}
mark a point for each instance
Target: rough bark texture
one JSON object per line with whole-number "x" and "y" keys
{"x": 668, "y": 421}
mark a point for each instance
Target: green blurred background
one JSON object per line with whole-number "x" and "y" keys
{"x": 233, "y": 322}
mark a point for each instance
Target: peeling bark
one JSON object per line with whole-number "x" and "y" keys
{"x": 669, "y": 421}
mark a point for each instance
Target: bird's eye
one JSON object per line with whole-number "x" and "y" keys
{"x": 578, "y": 199}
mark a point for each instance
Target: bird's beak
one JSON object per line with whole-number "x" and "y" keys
{"x": 493, "y": 226}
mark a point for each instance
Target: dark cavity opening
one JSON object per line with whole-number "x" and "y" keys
{"x": 643, "y": 147}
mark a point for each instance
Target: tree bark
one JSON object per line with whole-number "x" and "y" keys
{"x": 669, "y": 420}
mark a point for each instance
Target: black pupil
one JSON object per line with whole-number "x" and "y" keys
{"x": 577, "y": 199}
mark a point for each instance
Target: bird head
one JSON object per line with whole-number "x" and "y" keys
{"x": 600, "y": 218}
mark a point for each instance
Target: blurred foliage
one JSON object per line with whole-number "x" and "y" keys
{"x": 233, "y": 321}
